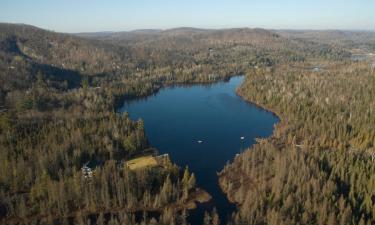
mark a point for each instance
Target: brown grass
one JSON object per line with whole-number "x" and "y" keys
{"x": 141, "y": 162}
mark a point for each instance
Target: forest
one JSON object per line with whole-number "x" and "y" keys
{"x": 58, "y": 99}
{"x": 318, "y": 167}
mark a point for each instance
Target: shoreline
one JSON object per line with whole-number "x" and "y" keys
{"x": 221, "y": 175}
{"x": 237, "y": 92}
{"x": 122, "y": 99}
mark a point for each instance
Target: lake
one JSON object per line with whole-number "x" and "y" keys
{"x": 176, "y": 118}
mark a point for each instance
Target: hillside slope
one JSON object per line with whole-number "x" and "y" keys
{"x": 318, "y": 166}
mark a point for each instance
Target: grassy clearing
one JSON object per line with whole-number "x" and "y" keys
{"x": 141, "y": 162}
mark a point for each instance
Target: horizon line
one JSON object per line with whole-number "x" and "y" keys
{"x": 191, "y": 27}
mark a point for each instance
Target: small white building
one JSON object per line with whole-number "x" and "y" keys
{"x": 86, "y": 171}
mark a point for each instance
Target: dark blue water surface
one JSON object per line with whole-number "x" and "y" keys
{"x": 177, "y": 117}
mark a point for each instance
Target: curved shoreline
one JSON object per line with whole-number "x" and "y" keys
{"x": 221, "y": 175}
{"x": 236, "y": 90}
{"x": 119, "y": 100}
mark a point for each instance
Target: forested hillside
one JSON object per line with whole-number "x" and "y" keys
{"x": 318, "y": 166}
{"x": 58, "y": 112}
{"x": 351, "y": 40}
{"x": 58, "y": 99}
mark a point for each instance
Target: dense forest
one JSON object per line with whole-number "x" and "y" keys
{"x": 48, "y": 135}
{"x": 58, "y": 99}
{"x": 318, "y": 166}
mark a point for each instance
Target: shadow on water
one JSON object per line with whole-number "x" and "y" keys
{"x": 177, "y": 117}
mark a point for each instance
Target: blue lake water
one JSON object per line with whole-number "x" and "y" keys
{"x": 176, "y": 118}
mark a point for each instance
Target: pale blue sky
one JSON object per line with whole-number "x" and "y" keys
{"x": 120, "y": 15}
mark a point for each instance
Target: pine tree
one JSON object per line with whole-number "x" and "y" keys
{"x": 207, "y": 219}
{"x": 186, "y": 177}
{"x": 191, "y": 183}
{"x": 100, "y": 219}
{"x": 215, "y": 217}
